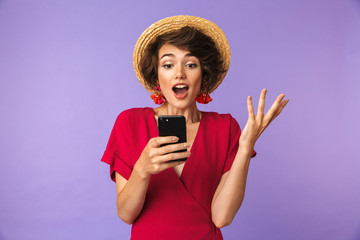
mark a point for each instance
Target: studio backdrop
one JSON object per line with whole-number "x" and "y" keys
{"x": 66, "y": 73}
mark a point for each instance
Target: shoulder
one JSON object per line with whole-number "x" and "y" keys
{"x": 222, "y": 121}
{"x": 220, "y": 117}
{"x": 134, "y": 113}
{"x": 132, "y": 117}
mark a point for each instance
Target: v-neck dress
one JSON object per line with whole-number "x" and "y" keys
{"x": 175, "y": 207}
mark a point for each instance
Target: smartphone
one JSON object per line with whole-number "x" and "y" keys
{"x": 173, "y": 126}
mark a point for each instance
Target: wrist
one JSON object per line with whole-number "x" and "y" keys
{"x": 139, "y": 170}
{"x": 246, "y": 150}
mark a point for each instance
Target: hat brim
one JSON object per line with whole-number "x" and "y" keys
{"x": 170, "y": 24}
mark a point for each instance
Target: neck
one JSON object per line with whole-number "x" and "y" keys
{"x": 191, "y": 114}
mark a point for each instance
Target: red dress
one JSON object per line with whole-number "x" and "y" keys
{"x": 175, "y": 208}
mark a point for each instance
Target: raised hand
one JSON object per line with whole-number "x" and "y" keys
{"x": 155, "y": 159}
{"x": 256, "y": 124}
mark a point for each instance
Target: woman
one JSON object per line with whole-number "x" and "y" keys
{"x": 181, "y": 60}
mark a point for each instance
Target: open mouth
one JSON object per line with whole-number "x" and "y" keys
{"x": 180, "y": 90}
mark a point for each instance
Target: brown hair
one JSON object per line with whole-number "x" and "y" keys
{"x": 189, "y": 39}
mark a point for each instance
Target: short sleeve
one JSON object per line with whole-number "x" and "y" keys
{"x": 117, "y": 153}
{"x": 234, "y": 136}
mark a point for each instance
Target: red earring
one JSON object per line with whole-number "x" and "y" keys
{"x": 157, "y": 97}
{"x": 203, "y": 98}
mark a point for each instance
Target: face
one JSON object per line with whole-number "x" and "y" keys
{"x": 179, "y": 76}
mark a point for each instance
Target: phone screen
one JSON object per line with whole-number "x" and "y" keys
{"x": 173, "y": 126}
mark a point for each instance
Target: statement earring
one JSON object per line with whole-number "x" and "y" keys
{"x": 157, "y": 97}
{"x": 203, "y": 98}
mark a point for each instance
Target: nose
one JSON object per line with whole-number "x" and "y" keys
{"x": 180, "y": 74}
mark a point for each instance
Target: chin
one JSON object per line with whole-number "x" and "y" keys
{"x": 182, "y": 104}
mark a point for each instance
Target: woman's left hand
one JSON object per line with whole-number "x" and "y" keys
{"x": 256, "y": 124}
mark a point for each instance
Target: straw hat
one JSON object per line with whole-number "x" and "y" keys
{"x": 170, "y": 24}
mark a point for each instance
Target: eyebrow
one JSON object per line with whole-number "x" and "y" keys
{"x": 172, "y": 55}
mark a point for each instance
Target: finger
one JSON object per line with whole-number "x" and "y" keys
{"x": 274, "y": 107}
{"x": 172, "y": 156}
{"x": 280, "y": 108}
{"x": 261, "y": 105}
{"x": 250, "y": 107}
{"x": 172, "y": 148}
{"x": 167, "y": 165}
{"x": 156, "y": 142}
{"x": 268, "y": 121}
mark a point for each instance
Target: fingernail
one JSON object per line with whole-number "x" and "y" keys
{"x": 188, "y": 153}
{"x": 175, "y": 139}
{"x": 186, "y": 145}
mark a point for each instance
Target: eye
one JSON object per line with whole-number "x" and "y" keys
{"x": 192, "y": 65}
{"x": 167, "y": 66}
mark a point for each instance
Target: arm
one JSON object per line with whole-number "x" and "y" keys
{"x": 130, "y": 195}
{"x": 154, "y": 159}
{"x": 230, "y": 192}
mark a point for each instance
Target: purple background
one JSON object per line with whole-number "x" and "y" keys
{"x": 66, "y": 72}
